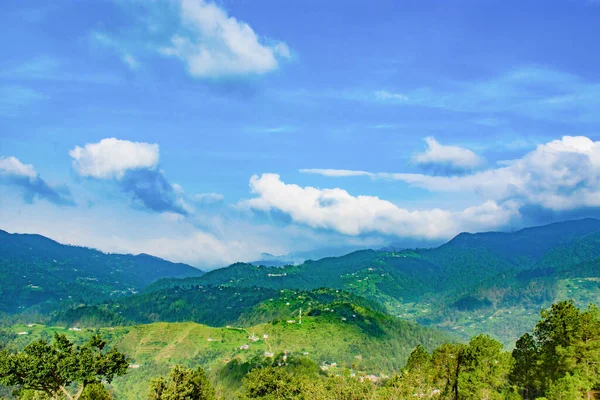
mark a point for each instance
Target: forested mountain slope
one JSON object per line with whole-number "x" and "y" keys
{"x": 35, "y": 270}
{"x": 333, "y": 331}
{"x": 485, "y": 282}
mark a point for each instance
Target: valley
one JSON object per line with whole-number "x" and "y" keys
{"x": 362, "y": 313}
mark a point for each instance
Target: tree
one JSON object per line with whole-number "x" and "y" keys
{"x": 419, "y": 360}
{"x": 484, "y": 369}
{"x": 446, "y": 361}
{"x": 271, "y": 383}
{"x": 183, "y": 383}
{"x": 556, "y": 331}
{"x": 58, "y": 367}
{"x": 417, "y": 378}
{"x": 569, "y": 343}
{"x": 96, "y": 391}
{"x": 582, "y": 356}
{"x": 525, "y": 372}
{"x": 569, "y": 387}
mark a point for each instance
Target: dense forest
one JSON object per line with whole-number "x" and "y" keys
{"x": 39, "y": 273}
{"x": 557, "y": 360}
{"x": 492, "y": 282}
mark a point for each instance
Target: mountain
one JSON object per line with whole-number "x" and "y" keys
{"x": 298, "y": 257}
{"x": 237, "y": 306}
{"x": 455, "y": 286}
{"x": 333, "y": 330}
{"x": 37, "y": 271}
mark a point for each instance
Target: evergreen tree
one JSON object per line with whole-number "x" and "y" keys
{"x": 484, "y": 369}
{"x": 183, "y": 384}
{"x": 446, "y": 360}
{"x": 525, "y": 371}
{"x": 556, "y": 332}
{"x": 271, "y": 383}
{"x": 569, "y": 387}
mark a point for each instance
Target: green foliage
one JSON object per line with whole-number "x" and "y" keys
{"x": 569, "y": 387}
{"x": 492, "y": 282}
{"x": 95, "y": 391}
{"x": 52, "y": 368}
{"x": 183, "y": 383}
{"x": 271, "y": 383}
{"x": 558, "y": 361}
{"x": 483, "y": 369}
{"x": 525, "y": 372}
{"x": 562, "y": 354}
{"x": 38, "y": 272}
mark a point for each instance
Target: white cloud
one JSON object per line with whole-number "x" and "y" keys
{"x": 209, "y": 198}
{"x": 118, "y": 46}
{"x": 111, "y": 158}
{"x": 115, "y": 228}
{"x": 214, "y": 44}
{"x": 447, "y": 159}
{"x": 338, "y": 210}
{"x": 12, "y": 166}
{"x": 336, "y": 172}
{"x": 560, "y": 175}
{"x": 385, "y": 95}
{"x": 24, "y": 176}
{"x": 131, "y": 61}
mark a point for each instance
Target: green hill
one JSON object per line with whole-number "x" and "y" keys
{"x": 235, "y": 306}
{"x": 35, "y": 271}
{"x": 332, "y": 331}
{"x": 486, "y": 282}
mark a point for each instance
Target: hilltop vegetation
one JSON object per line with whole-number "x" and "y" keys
{"x": 241, "y": 324}
{"x": 336, "y": 334}
{"x": 37, "y": 271}
{"x": 485, "y": 282}
{"x": 237, "y": 306}
{"x": 558, "y": 360}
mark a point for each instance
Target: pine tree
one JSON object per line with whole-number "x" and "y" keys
{"x": 183, "y": 384}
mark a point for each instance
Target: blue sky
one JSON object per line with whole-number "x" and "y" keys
{"x": 211, "y": 132}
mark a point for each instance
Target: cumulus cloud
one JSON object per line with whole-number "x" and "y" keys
{"x": 24, "y": 176}
{"x": 134, "y": 165}
{"x": 151, "y": 189}
{"x": 447, "y": 160}
{"x": 338, "y": 210}
{"x": 559, "y": 175}
{"x": 111, "y": 158}
{"x": 213, "y": 44}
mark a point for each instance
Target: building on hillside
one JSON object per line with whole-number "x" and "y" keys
{"x": 244, "y": 347}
